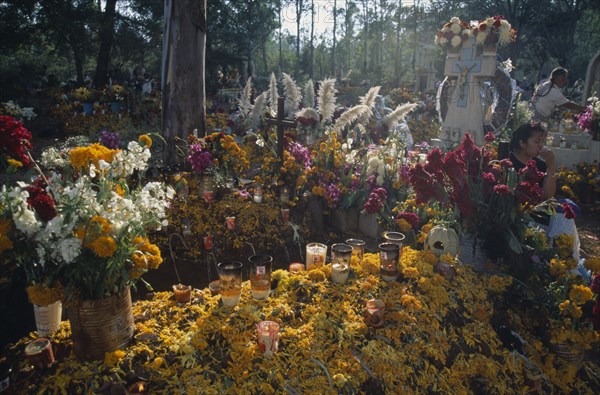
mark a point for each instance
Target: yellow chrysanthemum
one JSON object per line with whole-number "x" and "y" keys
{"x": 14, "y": 163}
{"x": 145, "y": 140}
{"x": 592, "y": 264}
{"x": 111, "y": 359}
{"x": 104, "y": 246}
{"x": 580, "y": 294}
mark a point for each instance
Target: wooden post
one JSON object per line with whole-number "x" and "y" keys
{"x": 281, "y": 124}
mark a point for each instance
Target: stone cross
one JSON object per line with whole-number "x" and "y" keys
{"x": 281, "y": 124}
{"x": 465, "y": 108}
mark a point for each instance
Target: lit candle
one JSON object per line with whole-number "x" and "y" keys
{"x": 296, "y": 267}
{"x": 183, "y": 293}
{"x": 285, "y": 215}
{"x": 315, "y": 255}
{"x": 339, "y": 272}
{"x": 258, "y": 195}
{"x": 208, "y": 242}
{"x": 230, "y": 221}
{"x": 285, "y": 194}
{"x": 268, "y": 337}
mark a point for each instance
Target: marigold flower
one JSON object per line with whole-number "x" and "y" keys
{"x": 145, "y": 140}
{"x": 104, "y": 246}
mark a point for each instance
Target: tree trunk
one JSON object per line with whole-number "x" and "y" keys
{"x": 312, "y": 40}
{"x": 280, "y": 44}
{"x": 299, "y": 9}
{"x": 333, "y": 66}
{"x": 183, "y": 68}
{"x": 107, "y": 32}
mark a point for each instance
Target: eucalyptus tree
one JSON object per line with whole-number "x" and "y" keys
{"x": 183, "y": 90}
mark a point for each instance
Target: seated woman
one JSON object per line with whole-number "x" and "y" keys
{"x": 527, "y": 143}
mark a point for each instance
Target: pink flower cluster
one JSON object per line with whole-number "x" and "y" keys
{"x": 376, "y": 201}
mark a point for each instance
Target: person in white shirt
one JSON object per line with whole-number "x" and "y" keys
{"x": 548, "y": 96}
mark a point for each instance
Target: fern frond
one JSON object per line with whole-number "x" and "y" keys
{"x": 292, "y": 94}
{"x": 326, "y": 99}
{"x": 391, "y": 120}
{"x": 354, "y": 113}
{"x": 257, "y": 110}
{"x": 369, "y": 98}
{"x": 244, "y": 102}
{"x": 309, "y": 94}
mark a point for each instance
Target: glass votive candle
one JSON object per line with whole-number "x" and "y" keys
{"x": 285, "y": 215}
{"x": 183, "y": 293}
{"x": 39, "y": 353}
{"x": 389, "y": 254}
{"x": 261, "y": 266}
{"x": 208, "y": 196}
{"x": 215, "y": 287}
{"x": 267, "y": 333}
{"x": 284, "y": 196}
{"x": 375, "y": 313}
{"x": 316, "y": 254}
{"x": 394, "y": 238}
{"x": 207, "y": 242}
{"x": 258, "y": 195}
{"x": 358, "y": 248}
{"x": 296, "y": 267}
{"x": 230, "y": 222}
{"x": 230, "y": 276}
{"x": 341, "y": 254}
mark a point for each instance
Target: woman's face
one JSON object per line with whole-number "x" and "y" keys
{"x": 534, "y": 144}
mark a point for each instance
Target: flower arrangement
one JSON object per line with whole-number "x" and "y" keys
{"x": 82, "y": 94}
{"x": 581, "y": 184}
{"x": 590, "y": 119}
{"x": 217, "y": 154}
{"x": 494, "y": 30}
{"x": 115, "y": 92}
{"x": 86, "y": 224}
{"x": 489, "y": 198}
{"x": 14, "y": 110}
{"x": 453, "y": 34}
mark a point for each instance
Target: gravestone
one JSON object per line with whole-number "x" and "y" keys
{"x": 463, "y": 108}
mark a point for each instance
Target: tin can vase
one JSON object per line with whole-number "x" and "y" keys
{"x": 99, "y": 326}
{"x": 47, "y": 318}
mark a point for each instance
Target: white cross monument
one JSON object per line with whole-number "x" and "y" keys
{"x": 465, "y": 109}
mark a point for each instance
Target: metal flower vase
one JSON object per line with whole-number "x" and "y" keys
{"x": 47, "y": 318}
{"x": 99, "y": 326}
{"x": 472, "y": 252}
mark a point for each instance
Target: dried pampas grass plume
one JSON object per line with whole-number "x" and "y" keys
{"x": 309, "y": 113}
{"x": 273, "y": 94}
{"x": 392, "y": 119}
{"x": 326, "y": 99}
{"x": 354, "y": 113}
{"x": 369, "y": 98}
{"x": 244, "y": 102}
{"x": 292, "y": 94}
{"x": 309, "y": 94}
{"x": 257, "y": 110}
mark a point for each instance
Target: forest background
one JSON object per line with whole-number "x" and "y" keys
{"x": 360, "y": 42}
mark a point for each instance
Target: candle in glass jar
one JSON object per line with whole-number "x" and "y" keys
{"x": 296, "y": 267}
{"x": 183, "y": 293}
{"x": 258, "y": 195}
{"x": 315, "y": 255}
{"x": 285, "y": 194}
{"x": 230, "y": 221}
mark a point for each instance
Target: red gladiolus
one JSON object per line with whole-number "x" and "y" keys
{"x": 502, "y": 189}
{"x": 595, "y": 287}
{"x": 489, "y": 137}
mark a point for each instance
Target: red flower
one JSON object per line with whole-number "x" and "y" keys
{"x": 411, "y": 218}
{"x": 482, "y": 27}
{"x": 569, "y": 213}
{"x": 529, "y": 193}
{"x": 502, "y": 189}
{"x": 595, "y": 287}
{"x": 489, "y": 137}
{"x": 41, "y": 202}
{"x": 15, "y": 140}
{"x": 488, "y": 177}
{"x": 530, "y": 173}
